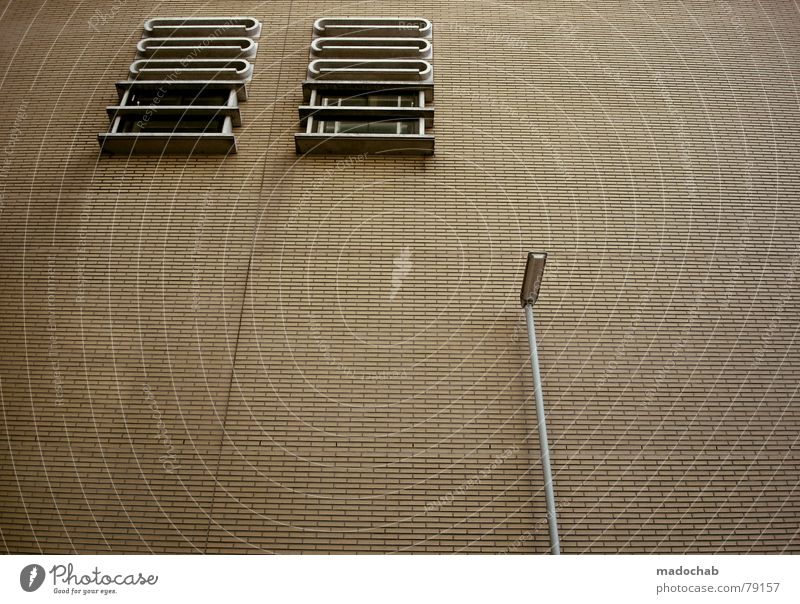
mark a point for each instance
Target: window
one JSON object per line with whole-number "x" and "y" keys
{"x": 184, "y": 88}
{"x": 371, "y": 100}
{"x": 355, "y": 127}
{"x": 184, "y": 124}
{"x": 369, "y": 88}
{"x": 171, "y": 96}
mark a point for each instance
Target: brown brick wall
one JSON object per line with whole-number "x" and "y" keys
{"x": 246, "y": 302}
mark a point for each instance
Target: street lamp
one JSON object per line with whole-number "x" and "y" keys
{"x": 534, "y": 269}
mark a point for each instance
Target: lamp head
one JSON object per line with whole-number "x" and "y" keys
{"x": 534, "y": 270}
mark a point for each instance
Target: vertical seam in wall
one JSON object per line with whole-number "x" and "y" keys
{"x": 245, "y": 288}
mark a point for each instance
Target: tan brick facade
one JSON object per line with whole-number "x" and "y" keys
{"x": 269, "y": 353}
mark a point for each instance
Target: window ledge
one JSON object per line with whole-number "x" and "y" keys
{"x": 383, "y": 86}
{"x": 177, "y": 110}
{"x": 350, "y": 144}
{"x": 191, "y": 85}
{"x": 167, "y": 143}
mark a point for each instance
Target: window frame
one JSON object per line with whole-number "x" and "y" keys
{"x": 315, "y": 125}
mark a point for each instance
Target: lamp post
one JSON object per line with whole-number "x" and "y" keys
{"x": 534, "y": 269}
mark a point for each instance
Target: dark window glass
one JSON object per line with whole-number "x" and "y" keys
{"x": 160, "y": 97}
{"x": 179, "y": 124}
{"x": 372, "y": 100}
{"x": 381, "y": 127}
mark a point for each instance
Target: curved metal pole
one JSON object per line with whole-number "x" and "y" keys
{"x": 544, "y": 448}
